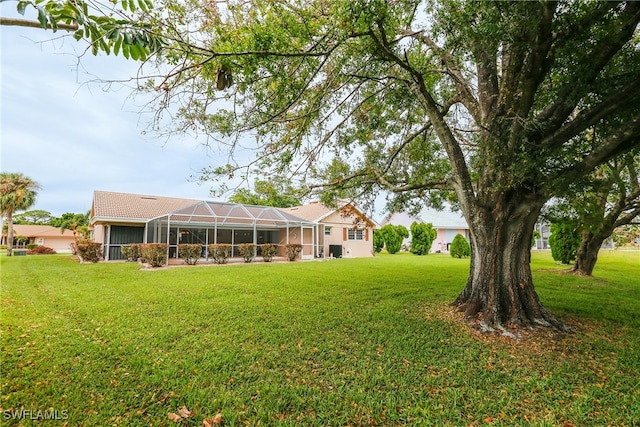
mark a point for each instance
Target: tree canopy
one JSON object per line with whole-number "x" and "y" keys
{"x": 276, "y": 193}
{"x": 489, "y": 104}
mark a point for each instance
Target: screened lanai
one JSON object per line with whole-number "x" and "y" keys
{"x": 208, "y": 223}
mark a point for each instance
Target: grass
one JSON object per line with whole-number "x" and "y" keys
{"x": 342, "y": 342}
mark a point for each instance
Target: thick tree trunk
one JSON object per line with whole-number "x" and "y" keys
{"x": 587, "y": 255}
{"x": 499, "y": 291}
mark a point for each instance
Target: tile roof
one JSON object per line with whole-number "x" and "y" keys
{"x": 313, "y": 211}
{"x": 316, "y": 211}
{"x": 112, "y": 205}
{"x": 39, "y": 231}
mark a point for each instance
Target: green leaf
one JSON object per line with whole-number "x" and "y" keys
{"x": 22, "y": 5}
{"x": 135, "y": 53}
{"x": 117, "y": 45}
{"x": 42, "y": 16}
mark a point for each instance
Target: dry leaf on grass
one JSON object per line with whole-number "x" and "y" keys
{"x": 185, "y": 413}
{"x": 210, "y": 422}
{"x": 174, "y": 417}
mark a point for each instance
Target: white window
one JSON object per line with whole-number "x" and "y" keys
{"x": 355, "y": 234}
{"x": 327, "y": 231}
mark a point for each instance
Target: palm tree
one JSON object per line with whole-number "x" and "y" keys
{"x": 17, "y": 193}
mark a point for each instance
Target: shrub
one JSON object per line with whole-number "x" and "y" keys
{"x": 41, "y": 250}
{"x": 190, "y": 253}
{"x": 219, "y": 252}
{"x": 535, "y": 236}
{"x": 564, "y": 241}
{"x": 131, "y": 252}
{"x": 154, "y": 253}
{"x": 292, "y": 251}
{"x": 460, "y": 247}
{"x": 422, "y": 237}
{"x": 136, "y": 251}
{"x": 378, "y": 241}
{"x": 393, "y": 235}
{"x": 31, "y": 246}
{"x": 268, "y": 250}
{"x": 247, "y": 251}
{"x": 89, "y": 250}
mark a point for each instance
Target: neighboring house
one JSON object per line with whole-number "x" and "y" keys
{"x": 341, "y": 232}
{"x": 446, "y": 222}
{"x": 45, "y": 235}
{"x": 119, "y": 219}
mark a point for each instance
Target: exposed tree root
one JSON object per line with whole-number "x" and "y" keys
{"x": 544, "y": 323}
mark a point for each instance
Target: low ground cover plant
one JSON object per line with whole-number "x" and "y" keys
{"x": 368, "y": 341}
{"x": 41, "y": 250}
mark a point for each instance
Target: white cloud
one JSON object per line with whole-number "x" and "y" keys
{"x": 74, "y": 137}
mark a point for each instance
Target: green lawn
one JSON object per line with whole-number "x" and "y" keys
{"x": 341, "y": 342}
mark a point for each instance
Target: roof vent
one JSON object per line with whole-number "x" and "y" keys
{"x": 149, "y": 198}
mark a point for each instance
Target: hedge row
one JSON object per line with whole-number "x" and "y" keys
{"x": 156, "y": 253}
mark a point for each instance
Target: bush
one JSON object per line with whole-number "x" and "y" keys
{"x": 31, "y": 246}
{"x": 393, "y": 235}
{"x": 154, "y": 253}
{"x": 460, "y": 247}
{"x": 89, "y": 250}
{"x": 564, "y": 241}
{"x": 292, "y": 251}
{"x": 190, "y": 253}
{"x": 247, "y": 251}
{"x": 40, "y": 250}
{"x": 219, "y": 252}
{"x": 268, "y": 250}
{"x": 378, "y": 241}
{"x": 131, "y": 252}
{"x": 422, "y": 237}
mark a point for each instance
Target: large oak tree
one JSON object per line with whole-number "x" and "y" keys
{"x": 487, "y": 100}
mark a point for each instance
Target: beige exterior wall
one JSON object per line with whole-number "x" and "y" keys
{"x": 98, "y": 233}
{"x": 336, "y": 236}
{"x": 59, "y": 244}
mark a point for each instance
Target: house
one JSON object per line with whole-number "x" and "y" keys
{"x": 119, "y": 219}
{"x": 53, "y": 237}
{"x": 341, "y": 232}
{"x": 446, "y": 222}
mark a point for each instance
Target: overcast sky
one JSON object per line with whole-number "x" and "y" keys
{"x": 73, "y": 137}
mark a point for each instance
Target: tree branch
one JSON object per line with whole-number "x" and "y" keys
{"x": 17, "y": 22}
